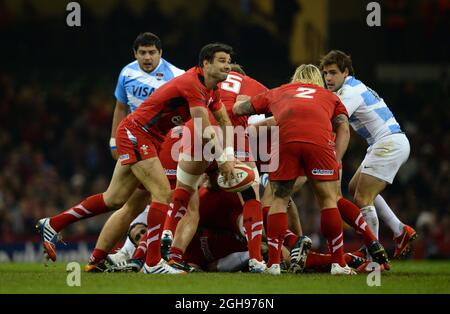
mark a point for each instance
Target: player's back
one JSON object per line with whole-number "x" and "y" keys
{"x": 238, "y": 84}
{"x": 304, "y": 112}
{"x": 369, "y": 115}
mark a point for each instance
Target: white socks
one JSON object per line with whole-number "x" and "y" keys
{"x": 387, "y": 215}
{"x": 370, "y": 216}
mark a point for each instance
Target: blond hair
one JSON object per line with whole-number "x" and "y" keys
{"x": 309, "y": 74}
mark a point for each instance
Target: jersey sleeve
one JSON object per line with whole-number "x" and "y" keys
{"x": 261, "y": 102}
{"x": 254, "y": 88}
{"x": 195, "y": 95}
{"x": 216, "y": 103}
{"x": 350, "y": 99}
{"x": 120, "y": 92}
{"x": 339, "y": 109}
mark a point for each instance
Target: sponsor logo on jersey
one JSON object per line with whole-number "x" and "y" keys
{"x": 322, "y": 172}
{"x": 159, "y": 76}
{"x": 144, "y": 149}
{"x": 170, "y": 172}
{"x": 124, "y": 157}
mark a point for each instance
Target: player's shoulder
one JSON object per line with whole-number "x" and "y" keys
{"x": 175, "y": 71}
{"x": 128, "y": 69}
{"x": 352, "y": 86}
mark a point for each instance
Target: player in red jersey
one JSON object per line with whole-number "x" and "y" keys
{"x": 235, "y": 84}
{"x": 307, "y": 114}
{"x": 139, "y": 137}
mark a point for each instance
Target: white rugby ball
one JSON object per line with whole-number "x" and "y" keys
{"x": 243, "y": 179}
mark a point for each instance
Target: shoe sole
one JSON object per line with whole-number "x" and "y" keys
{"x": 50, "y": 250}
{"x": 407, "y": 249}
{"x": 299, "y": 266}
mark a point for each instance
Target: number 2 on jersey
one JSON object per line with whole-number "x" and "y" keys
{"x": 305, "y": 92}
{"x": 232, "y": 84}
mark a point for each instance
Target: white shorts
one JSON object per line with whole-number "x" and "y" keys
{"x": 384, "y": 158}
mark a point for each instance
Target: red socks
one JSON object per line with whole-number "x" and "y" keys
{"x": 178, "y": 207}
{"x": 141, "y": 249}
{"x": 290, "y": 239}
{"x": 265, "y": 211}
{"x": 277, "y": 225}
{"x": 91, "y": 206}
{"x": 155, "y": 222}
{"x": 253, "y": 225}
{"x": 176, "y": 254}
{"x": 351, "y": 214}
{"x": 331, "y": 227}
{"x": 97, "y": 256}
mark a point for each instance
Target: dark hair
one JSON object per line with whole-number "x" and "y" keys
{"x": 339, "y": 58}
{"x": 147, "y": 39}
{"x": 131, "y": 228}
{"x": 237, "y": 68}
{"x": 208, "y": 51}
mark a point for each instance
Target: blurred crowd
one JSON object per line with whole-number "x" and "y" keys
{"x": 56, "y": 110}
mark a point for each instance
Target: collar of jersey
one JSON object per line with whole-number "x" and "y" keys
{"x": 154, "y": 71}
{"x": 201, "y": 77}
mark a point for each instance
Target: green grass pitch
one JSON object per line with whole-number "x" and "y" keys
{"x": 405, "y": 277}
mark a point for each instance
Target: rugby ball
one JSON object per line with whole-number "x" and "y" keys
{"x": 244, "y": 178}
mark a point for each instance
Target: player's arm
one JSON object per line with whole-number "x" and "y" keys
{"x": 225, "y": 162}
{"x": 224, "y": 122}
{"x": 341, "y": 128}
{"x": 120, "y": 112}
{"x": 243, "y": 106}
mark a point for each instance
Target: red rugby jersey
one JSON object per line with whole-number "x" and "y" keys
{"x": 303, "y": 112}
{"x": 169, "y": 105}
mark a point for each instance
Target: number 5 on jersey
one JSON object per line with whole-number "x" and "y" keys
{"x": 305, "y": 92}
{"x": 232, "y": 84}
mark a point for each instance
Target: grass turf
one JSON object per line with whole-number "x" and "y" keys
{"x": 405, "y": 277}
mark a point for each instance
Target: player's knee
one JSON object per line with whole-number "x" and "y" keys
{"x": 282, "y": 189}
{"x": 352, "y": 188}
{"x": 362, "y": 200}
{"x": 114, "y": 201}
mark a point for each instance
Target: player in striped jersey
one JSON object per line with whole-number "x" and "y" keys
{"x": 137, "y": 81}
{"x": 140, "y": 78}
{"x": 388, "y": 148}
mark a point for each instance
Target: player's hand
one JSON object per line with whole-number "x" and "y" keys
{"x": 227, "y": 170}
{"x": 242, "y": 97}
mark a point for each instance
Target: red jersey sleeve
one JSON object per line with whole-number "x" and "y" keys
{"x": 339, "y": 108}
{"x": 261, "y": 102}
{"x": 252, "y": 87}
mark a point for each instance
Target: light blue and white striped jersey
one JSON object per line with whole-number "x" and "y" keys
{"x": 135, "y": 85}
{"x": 369, "y": 115}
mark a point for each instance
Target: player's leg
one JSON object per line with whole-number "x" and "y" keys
{"x": 184, "y": 234}
{"x": 277, "y": 222}
{"x": 253, "y": 222}
{"x": 117, "y": 225}
{"x": 331, "y": 224}
{"x": 151, "y": 174}
{"x": 366, "y": 189}
{"x": 129, "y": 247}
{"x": 122, "y": 185}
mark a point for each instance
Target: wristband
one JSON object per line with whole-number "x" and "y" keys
{"x": 228, "y": 151}
{"x": 112, "y": 143}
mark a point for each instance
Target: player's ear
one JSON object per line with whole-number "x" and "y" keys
{"x": 346, "y": 72}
